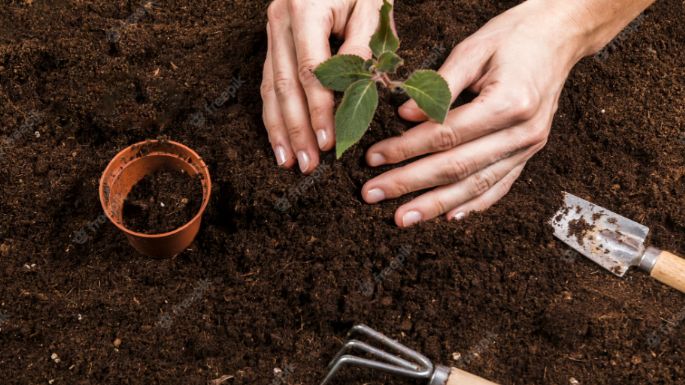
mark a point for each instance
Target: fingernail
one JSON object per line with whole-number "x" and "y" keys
{"x": 280, "y": 155}
{"x": 322, "y": 138}
{"x": 303, "y": 160}
{"x": 375, "y": 195}
{"x": 376, "y": 159}
{"x": 411, "y": 218}
{"x": 459, "y": 216}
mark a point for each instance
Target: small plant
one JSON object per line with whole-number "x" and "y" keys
{"x": 358, "y": 79}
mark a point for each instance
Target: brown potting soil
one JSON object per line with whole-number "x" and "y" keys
{"x": 162, "y": 202}
{"x": 578, "y": 228}
{"x": 285, "y": 264}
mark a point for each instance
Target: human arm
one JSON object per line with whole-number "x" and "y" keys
{"x": 517, "y": 64}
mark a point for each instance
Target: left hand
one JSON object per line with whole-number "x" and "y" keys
{"x": 517, "y": 64}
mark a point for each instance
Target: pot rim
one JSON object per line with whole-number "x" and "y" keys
{"x": 201, "y": 168}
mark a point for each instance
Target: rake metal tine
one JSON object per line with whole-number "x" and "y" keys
{"x": 380, "y": 354}
{"x": 371, "y": 364}
{"x": 397, "y": 346}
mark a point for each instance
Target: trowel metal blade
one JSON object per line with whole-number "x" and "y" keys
{"x": 610, "y": 240}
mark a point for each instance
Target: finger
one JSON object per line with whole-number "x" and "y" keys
{"x": 443, "y": 199}
{"x": 464, "y": 65}
{"x": 492, "y": 196}
{"x": 291, "y": 97}
{"x": 494, "y": 109}
{"x": 361, "y": 26}
{"x": 450, "y": 166}
{"x": 311, "y": 29}
{"x": 271, "y": 114}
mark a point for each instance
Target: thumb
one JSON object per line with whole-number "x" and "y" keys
{"x": 464, "y": 66}
{"x": 361, "y": 26}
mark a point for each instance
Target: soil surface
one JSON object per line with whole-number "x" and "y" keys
{"x": 162, "y": 202}
{"x": 284, "y": 264}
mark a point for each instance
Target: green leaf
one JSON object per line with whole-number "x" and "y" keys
{"x": 431, "y": 93}
{"x": 389, "y": 62}
{"x": 368, "y": 64}
{"x": 384, "y": 39}
{"x": 340, "y": 71}
{"x": 354, "y": 114}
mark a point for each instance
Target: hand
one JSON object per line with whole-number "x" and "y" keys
{"x": 298, "y": 110}
{"x": 517, "y": 64}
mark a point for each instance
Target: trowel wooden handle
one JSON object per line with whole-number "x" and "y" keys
{"x": 670, "y": 269}
{"x": 460, "y": 377}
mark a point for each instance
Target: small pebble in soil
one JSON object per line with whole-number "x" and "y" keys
{"x": 162, "y": 202}
{"x": 55, "y": 358}
{"x": 117, "y": 342}
{"x": 573, "y": 381}
{"x": 406, "y": 325}
{"x": 29, "y": 267}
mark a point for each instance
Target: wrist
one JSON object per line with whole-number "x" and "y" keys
{"x": 554, "y": 27}
{"x": 589, "y": 25}
{"x": 563, "y": 25}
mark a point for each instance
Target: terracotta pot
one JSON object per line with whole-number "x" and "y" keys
{"x": 133, "y": 164}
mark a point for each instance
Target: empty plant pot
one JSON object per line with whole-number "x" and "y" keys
{"x": 135, "y": 163}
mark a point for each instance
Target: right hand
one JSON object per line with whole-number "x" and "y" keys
{"x": 298, "y": 110}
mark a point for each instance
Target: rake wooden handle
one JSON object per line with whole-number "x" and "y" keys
{"x": 670, "y": 270}
{"x": 460, "y": 377}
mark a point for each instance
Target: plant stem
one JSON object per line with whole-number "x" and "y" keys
{"x": 383, "y": 78}
{"x": 386, "y": 80}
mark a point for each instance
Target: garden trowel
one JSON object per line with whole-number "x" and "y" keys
{"x": 614, "y": 242}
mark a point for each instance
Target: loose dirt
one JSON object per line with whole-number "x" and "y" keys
{"x": 162, "y": 202}
{"x": 578, "y": 228}
{"x": 272, "y": 283}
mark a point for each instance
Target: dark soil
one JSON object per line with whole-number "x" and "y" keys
{"x": 578, "y": 228}
{"x": 274, "y": 282}
{"x": 162, "y": 202}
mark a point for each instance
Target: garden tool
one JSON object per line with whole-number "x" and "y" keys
{"x": 614, "y": 242}
{"x": 406, "y": 363}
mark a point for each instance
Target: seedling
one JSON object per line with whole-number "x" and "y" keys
{"x": 359, "y": 79}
